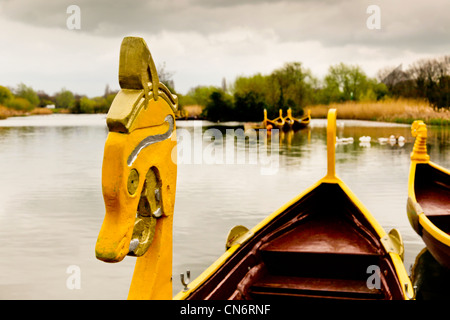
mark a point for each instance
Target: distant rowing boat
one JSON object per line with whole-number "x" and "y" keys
{"x": 277, "y": 123}
{"x": 281, "y": 123}
{"x": 291, "y": 123}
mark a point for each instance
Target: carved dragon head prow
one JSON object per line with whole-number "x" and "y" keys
{"x": 419, "y": 152}
{"x": 139, "y": 174}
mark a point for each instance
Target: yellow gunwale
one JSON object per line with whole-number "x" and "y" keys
{"x": 330, "y": 178}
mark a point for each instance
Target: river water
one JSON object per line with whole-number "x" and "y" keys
{"x": 51, "y": 205}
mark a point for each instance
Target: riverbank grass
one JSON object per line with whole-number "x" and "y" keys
{"x": 398, "y": 111}
{"x": 6, "y": 112}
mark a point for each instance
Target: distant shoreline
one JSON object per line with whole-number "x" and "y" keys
{"x": 9, "y": 112}
{"x": 401, "y": 111}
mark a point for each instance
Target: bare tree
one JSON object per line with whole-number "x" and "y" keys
{"x": 166, "y": 76}
{"x": 431, "y": 78}
{"x": 390, "y": 76}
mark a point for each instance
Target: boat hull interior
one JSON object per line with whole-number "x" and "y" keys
{"x": 432, "y": 190}
{"x": 321, "y": 247}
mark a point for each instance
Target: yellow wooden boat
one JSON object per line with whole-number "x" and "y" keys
{"x": 285, "y": 123}
{"x": 277, "y": 123}
{"x": 428, "y": 205}
{"x": 307, "y": 249}
{"x": 291, "y": 123}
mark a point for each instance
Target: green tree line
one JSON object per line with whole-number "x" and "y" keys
{"x": 294, "y": 86}
{"x": 291, "y": 86}
{"x": 24, "y": 98}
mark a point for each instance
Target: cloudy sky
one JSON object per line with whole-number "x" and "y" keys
{"x": 203, "y": 41}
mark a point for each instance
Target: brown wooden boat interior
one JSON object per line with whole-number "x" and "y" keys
{"x": 432, "y": 189}
{"x": 318, "y": 248}
{"x": 296, "y": 124}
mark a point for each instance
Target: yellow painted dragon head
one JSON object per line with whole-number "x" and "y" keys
{"x": 419, "y": 131}
{"x": 139, "y": 174}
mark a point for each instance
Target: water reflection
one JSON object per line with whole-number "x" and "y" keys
{"x": 431, "y": 279}
{"x": 377, "y": 173}
{"x": 51, "y": 205}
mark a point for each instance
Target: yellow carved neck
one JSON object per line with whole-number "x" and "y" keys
{"x": 419, "y": 153}
{"x": 289, "y": 113}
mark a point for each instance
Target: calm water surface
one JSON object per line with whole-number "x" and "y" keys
{"x": 51, "y": 205}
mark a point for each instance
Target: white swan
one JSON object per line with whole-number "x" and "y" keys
{"x": 393, "y": 140}
{"x": 344, "y": 140}
{"x": 365, "y": 139}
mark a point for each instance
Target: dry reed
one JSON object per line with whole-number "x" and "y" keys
{"x": 9, "y": 112}
{"x": 193, "y": 110}
{"x": 40, "y": 111}
{"x": 401, "y": 110}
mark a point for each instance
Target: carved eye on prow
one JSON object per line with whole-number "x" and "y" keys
{"x": 150, "y": 202}
{"x": 148, "y": 211}
{"x": 133, "y": 182}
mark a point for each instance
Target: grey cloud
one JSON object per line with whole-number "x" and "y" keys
{"x": 413, "y": 25}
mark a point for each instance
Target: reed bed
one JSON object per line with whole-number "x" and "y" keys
{"x": 9, "y": 112}
{"x": 39, "y": 111}
{"x": 193, "y": 110}
{"x": 400, "y": 111}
